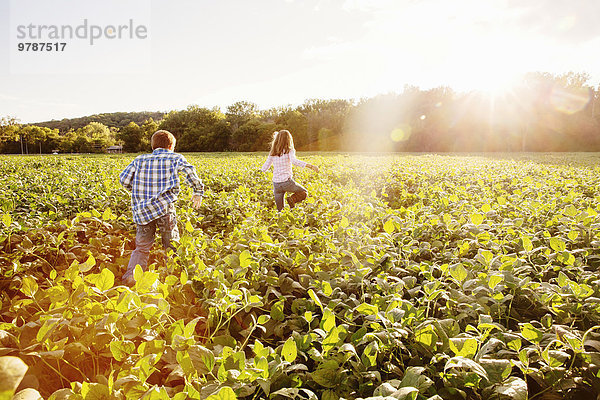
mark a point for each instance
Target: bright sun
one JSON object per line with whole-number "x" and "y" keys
{"x": 494, "y": 81}
{"x": 488, "y": 63}
{"x": 491, "y": 75}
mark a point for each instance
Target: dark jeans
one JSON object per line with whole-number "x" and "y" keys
{"x": 279, "y": 189}
{"x": 144, "y": 239}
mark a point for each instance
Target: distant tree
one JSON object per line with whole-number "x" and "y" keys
{"x": 198, "y": 129}
{"x": 67, "y": 142}
{"x": 131, "y": 136}
{"x": 148, "y": 129}
{"x": 330, "y": 114}
{"x": 254, "y": 135}
{"x": 296, "y": 123}
{"x": 100, "y": 135}
{"x": 237, "y": 115}
{"x": 217, "y": 138}
{"x": 32, "y": 135}
{"x": 271, "y": 114}
{"x": 573, "y": 80}
{"x": 81, "y": 143}
{"x": 430, "y": 120}
{"x": 51, "y": 141}
{"x": 92, "y": 138}
{"x": 241, "y": 112}
{"x": 372, "y": 123}
{"x": 557, "y": 110}
{"x": 8, "y": 129}
{"x": 116, "y": 120}
{"x": 545, "y": 112}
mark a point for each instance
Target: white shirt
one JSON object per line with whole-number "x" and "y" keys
{"x": 282, "y": 165}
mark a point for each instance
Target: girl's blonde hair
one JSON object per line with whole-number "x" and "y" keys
{"x": 282, "y": 143}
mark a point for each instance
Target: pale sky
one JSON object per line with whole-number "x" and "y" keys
{"x": 279, "y": 52}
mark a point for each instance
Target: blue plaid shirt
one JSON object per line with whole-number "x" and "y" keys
{"x": 154, "y": 183}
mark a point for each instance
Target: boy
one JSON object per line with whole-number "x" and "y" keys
{"x": 154, "y": 184}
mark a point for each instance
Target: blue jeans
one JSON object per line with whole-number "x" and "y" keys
{"x": 144, "y": 239}
{"x": 279, "y": 189}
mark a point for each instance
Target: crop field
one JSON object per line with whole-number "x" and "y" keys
{"x": 400, "y": 277}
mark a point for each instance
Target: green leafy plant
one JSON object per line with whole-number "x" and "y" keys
{"x": 415, "y": 277}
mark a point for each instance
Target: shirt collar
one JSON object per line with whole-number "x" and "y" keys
{"x": 161, "y": 150}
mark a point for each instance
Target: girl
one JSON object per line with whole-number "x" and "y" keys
{"x": 282, "y": 156}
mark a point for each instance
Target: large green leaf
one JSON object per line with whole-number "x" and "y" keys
{"x": 327, "y": 375}
{"x": 225, "y": 393}
{"x": 557, "y": 244}
{"x": 514, "y": 388}
{"x": 12, "y": 370}
{"x": 289, "y": 351}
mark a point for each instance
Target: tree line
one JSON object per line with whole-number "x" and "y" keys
{"x": 112, "y": 120}
{"x": 544, "y": 112}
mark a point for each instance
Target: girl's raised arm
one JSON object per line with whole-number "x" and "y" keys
{"x": 300, "y": 163}
{"x": 267, "y": 164}
{"x": 295, "y": 161}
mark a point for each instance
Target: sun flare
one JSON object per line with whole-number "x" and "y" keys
{"x": 491, "y": 74}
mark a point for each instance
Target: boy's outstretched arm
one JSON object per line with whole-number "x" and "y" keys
{"x": 192, "y": 179}
{"x": 126, "y": 177}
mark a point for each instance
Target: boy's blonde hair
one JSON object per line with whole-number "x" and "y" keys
{"x": 163, "y": 139}
{"x": 282, "y": 143}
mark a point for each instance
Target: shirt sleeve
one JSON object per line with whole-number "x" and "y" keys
{"x": 126, "y": 177}
{"x": 191, "y": 177}
{"x": 295, "y": 161}
{"x": 267, "y": 164}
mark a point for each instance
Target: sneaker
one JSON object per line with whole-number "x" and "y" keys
{"x": 128, "y": 281}
{"x": 290, "y": 201}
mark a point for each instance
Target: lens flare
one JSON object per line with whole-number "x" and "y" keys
{"x": 569, "y": 100}
{"x": 401, "y": 133}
